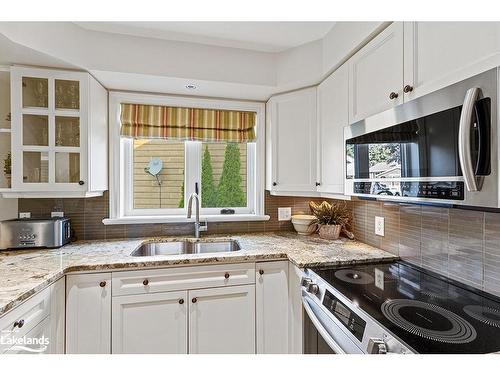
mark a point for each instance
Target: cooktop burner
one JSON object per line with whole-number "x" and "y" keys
{"x": 484, "y": 314}
{"x": 355, "y": 277}
{"x": 429, "y": 321}
{"x": 430, "y": 313}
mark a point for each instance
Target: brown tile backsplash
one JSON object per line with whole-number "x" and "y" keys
{"x": 87, "y": 214}
{"x": 461, "y": 244}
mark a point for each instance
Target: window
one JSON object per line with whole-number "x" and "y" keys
{"x": 157, "y": 176}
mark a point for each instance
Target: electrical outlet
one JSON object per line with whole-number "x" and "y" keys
{"x": 284, "y": 213}
{"x": 24, "y": 215}
{"x": 57, "y": 214}
{"x": 379, "y": 226}
{"x": 379, "y": 279}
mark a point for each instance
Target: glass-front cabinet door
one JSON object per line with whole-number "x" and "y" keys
{"x": 49, "y": 117}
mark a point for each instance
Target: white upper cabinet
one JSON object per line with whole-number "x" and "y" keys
{"x": 438, "y": 54}
{"x": 376, "y": 74}
{"x": 155, "y": 323}
{"x": 222, "y": 320}
{"x": 60, "y": 134}
{"x": 333, "y": 117}
{"x": 292, "y": 133}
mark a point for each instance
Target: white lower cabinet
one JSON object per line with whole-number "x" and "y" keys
{"x": 271, "y": 302}
{"x": 37, "y": 325}
{"x": 222, "y": 320}
{"x": 57, "y": 316}
{"x": 88, "y": 314}
{"x": 150, "y": 323}
{"x": 199, "y": 312}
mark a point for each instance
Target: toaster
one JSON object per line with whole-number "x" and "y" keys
{"x": 28, "y": 233}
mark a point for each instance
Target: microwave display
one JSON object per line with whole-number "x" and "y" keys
{"x": 425, "y": 147}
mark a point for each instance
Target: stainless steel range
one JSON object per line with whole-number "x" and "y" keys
{"x": 399, "y": 308}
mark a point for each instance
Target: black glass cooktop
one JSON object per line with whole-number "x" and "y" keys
{"x": 430, "y": 313}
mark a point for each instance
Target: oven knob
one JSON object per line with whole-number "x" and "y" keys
{"x": 305, "y": 282}
{"x": 377, "y": 346}
{"x": 313, "y": 288}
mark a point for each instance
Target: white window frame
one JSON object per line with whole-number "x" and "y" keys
{"x": 121, "y": 154}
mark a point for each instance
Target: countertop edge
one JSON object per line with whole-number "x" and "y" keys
{"x": 172, "y": 263}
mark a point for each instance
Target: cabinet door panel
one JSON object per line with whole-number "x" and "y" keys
{"x": 333, "y": 117}
{"x": 438, "y": 54}
{"x": 88, "y": 314}
{"x": 375, "y": 72}
{"x": 39, "y": 338}
{"x": 57, "y": 315}
{"x": 293, "y": 136}
{"x": 271, "y": 305}
{"x": 222, "y": 320}
{"x": 150, "y": 323}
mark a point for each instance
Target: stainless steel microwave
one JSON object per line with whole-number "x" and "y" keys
{"x": 439, "y": 148}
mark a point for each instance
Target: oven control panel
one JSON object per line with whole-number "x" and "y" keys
{"x": 346, "y": 316}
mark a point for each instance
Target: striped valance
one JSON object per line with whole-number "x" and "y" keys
{"x": 153, "y": 121}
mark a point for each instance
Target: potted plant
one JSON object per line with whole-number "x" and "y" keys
{"x": 7, "y": 169}
{"x": 330, "y": 218}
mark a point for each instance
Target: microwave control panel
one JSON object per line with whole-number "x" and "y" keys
{"x": 448, "y": 190}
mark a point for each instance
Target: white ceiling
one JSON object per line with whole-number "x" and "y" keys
{"x": 257, "y": 36}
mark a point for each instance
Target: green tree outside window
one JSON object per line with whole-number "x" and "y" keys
{"x": 229, "y": 192}
{"x": 208, "y": 188}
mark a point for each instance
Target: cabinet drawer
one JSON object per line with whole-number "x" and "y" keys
{"x": 24, "y": 318}
{"x": 182, "y": 278}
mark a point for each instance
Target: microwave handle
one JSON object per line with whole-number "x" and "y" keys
{"x": 464, "y": 149}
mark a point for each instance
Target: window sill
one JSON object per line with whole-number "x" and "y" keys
{"x": 183, "y": 219}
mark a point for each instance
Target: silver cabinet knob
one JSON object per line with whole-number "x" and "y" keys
{"x": 377, "y": 346}
{"x": 313, "y": 288}
{"x": 305, "y": 282}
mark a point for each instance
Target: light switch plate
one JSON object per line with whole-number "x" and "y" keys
{"x": 379, "y": 226}
{"x": 24, "y": 215}
{"x": 57, "y": 214}
{"x": 284, "y": 213}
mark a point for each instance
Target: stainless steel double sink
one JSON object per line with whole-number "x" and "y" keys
{"x": 185, "y": 247}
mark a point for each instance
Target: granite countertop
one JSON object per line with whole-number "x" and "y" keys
{"x": 25, "y": 272}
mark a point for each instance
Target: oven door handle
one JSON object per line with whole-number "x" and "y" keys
{"x": 321, "y": 329}
{"x": 464, "y": 148}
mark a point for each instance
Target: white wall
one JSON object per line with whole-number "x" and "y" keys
{"x": 94, "y": 50}
{"x": 300, "y": 66}
{"x": 126, "y": 62}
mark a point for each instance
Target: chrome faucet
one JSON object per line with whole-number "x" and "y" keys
{"x": 197, "y": 226}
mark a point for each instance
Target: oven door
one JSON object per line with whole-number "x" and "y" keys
{"x": 326, "y": 327}
{"x": 441, "y": 147}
